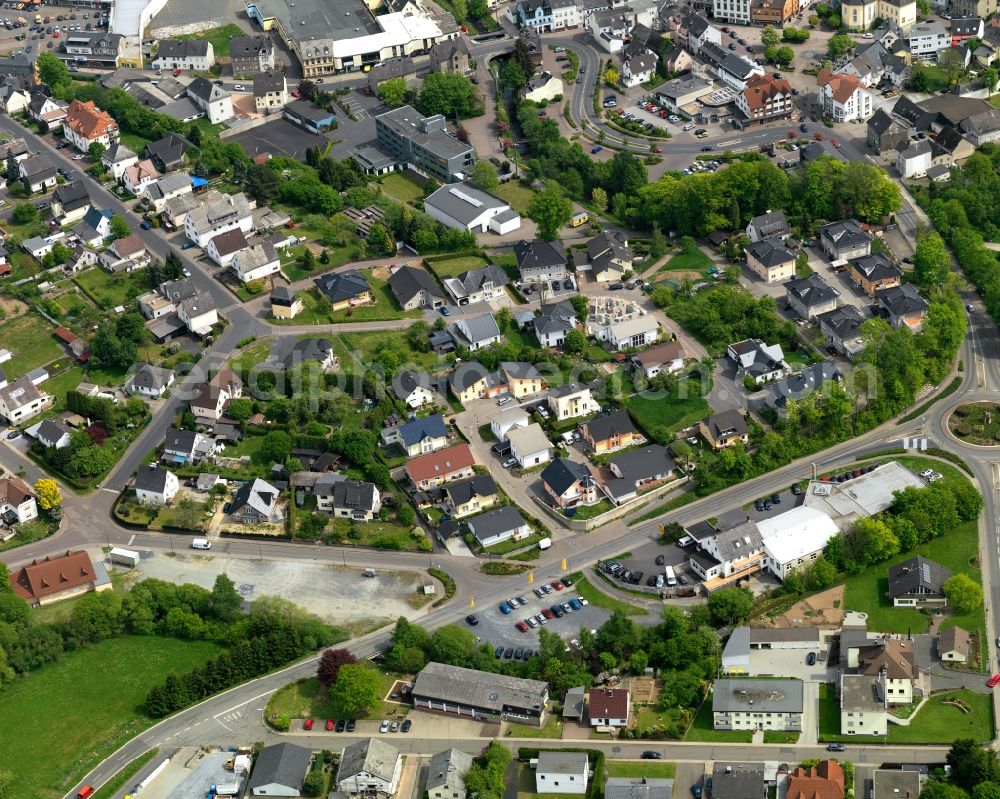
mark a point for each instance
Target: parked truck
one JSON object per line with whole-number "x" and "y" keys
{"x": 124, "y": 557}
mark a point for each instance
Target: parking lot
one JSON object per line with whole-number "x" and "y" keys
{"x": 792, "y": 663}
{"x": 42, "y": 36}
{"x": 498, "y": 629}
{"x": 652, "y": 558}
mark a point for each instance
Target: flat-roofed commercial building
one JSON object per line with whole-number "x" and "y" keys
{"x": 413, "y": 140}
{"x": 479, "y": 694}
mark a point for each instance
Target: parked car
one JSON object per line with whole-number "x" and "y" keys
{"x": 341, "y": 725}
{"x": 394, "y": 727}
{"x": 472, "y": 619}
{"x": 522, "y": 627}
{"x": 835, "y": 748}
{"x": 351, "y": 724}
{"x": 557, "y": 585}
{"x": 307, "y": 724}
{"x": 498, "y": 652}
{"x": 811, "y": 659}
{"x": 405, "y": 726}
{"x": 649, "y": 754}
{"x": 329, "y": 725}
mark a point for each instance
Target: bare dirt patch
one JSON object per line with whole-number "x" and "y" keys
{"x": 11, "y": 308}
{"x": 825, "y": 609}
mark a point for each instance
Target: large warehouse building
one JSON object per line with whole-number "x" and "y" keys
{"x": 345, "y": 36}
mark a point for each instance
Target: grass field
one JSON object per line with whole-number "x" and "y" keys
{"x": 693, "y": 261}
{"x": 61, "y": 383}
{"x": 296, "y": 271}
{"x": 597, "y": 597}
{"x": 655, "y": 769}
{"x": 939, "y": 723}
{"x": 585, "y": 512}
{"x": 402, "y": 188}
{"x": 866, "y": 591}
{"x": 95, "y": 695}
{"x": 317, "y": 311}
{"x": 654, "y": 411}
{"x": 111, "y": 290}
{"x": 701, "y": 729}
{"x": 306, "y": 699}
{"x": 364, "y": 345}
{"x": 553, "y": 729}
{"x": 517, "y": 195}
{"x": 32, "y": 343}
{"x": 452, "y": 267}
{"x": 219, "y": 37}
{"x": 381, "y": 535}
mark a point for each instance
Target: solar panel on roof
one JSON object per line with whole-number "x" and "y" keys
{"x": 463, "y": 196}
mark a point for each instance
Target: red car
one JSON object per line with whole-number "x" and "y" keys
{"x": 307, "y": 724}
{"x": 522, "y": 626}
{"x": 329, "y": 725}
{"x": 557, "y": 585}
{"x": 547, "y": 613}
{"x": 993, "y": 681}
{"x": 295, "y": 93}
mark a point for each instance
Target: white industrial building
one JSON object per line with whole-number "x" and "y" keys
{"x": 795, "y": 538}
{"x": 465, "y": 207}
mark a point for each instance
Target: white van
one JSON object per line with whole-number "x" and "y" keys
{"x": 688, "y": 126}
{"x": 545, "y": 543}
{"x": 200, "y": 543}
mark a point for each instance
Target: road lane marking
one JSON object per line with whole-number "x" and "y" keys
{"x": 130, "y": 540}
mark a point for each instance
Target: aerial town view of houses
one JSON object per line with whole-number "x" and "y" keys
{"x": 500, "y": 399}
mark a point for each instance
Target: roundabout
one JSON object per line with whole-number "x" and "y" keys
{"x": 976, "y": 424}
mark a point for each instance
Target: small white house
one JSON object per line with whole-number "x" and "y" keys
{"x": 155, "y": 485}
{"x": 529, "y": 446}
{"x": 608, "y": 707}
{"x": 369, "y": 767}
{"x": 504, "y": 421}
{"x": 562, "y": 772}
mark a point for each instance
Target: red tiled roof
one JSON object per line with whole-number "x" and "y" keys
{"x": 14, "y": 490}
{"x": 439, "y": 464}
{"x": 89, "y": 121}
{"x": 825, "y": 781}
{"x": 842, "y": 85}
{"x": 66, "y": 334}
{"x": 41, "y": 578}
{"x": 761, "y": 89}
{"x": 5, "y": 269}
{"x": 608, "y": 703}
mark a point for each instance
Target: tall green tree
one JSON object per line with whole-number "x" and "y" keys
{"x": 550, "y": 211}
{"x": 931, "y": 260}
{"x": 484, "y": 175}
{"x": 355, "y": 690}
{"x": 392, "y": 92}
{"x": 120, "y": 227}
{"x": 52, "y": 71}
{"x": 450, "y": 94}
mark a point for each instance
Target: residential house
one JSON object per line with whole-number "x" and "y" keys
{"x": 150, "y": 381}
{"x": 844, "y": 97}
{"x": 255, "y": 502}
{"x": 414, "y": 288}
{"x": 443, "y": 466}
{"x": 918, "y": 582}
{"x": 59, "y": 577}
{"x": 562, "y": 772}
{"x": 953, "y": 645}
{"x": 347, "y": 499}
{"x": 344, "y": 289}
{"x": 637, "y": 469}
{"x": 139, "y": 176}
{"x": 250, "y": 55}
{"x": 465, "y": 207}
{"x": 470, "y": 380}
{"x": 369, "y": 767}
{"x": 21, "y": 400}
{"x": 503, "y": 421}
{"x": 168, "y": 153}
{"x": 810, "y": 296}
{"x": 554, "y": 322}
{"x": 522, "y": 378}
{"x": 412, "y": 389}
{"x": 860, "y": 15}
{"x": 765, "y": 99}
{"x": 223, "y": 247}
{"x": 676, "y": 59}
{"x": 15, "y": 97}
{"x": 565, "y": 14}
{"x": 724, "y": 429}
{"x": 279, "y": 770}
{"x": 738, "y": 780}
{"x": 17, "y": 501}
{"x": 571, "y": 400}
{"x": 873, "y": 273}
{"x": 172, "y": 195}
{"x": 535, "y": 14}
{"x": 540, "y": 261}
{"x": 270, "y": 91}
{"x": 38, "y": 173}
{"x": 569, "y": 484}
{"x": 773, "y": 12}
{"x": 226, "y": 213}
{"x": 798, "y": 386}
{"x": 759, "y": 361}
{"x": 195, "y": 55}
{"x": 186, "y": 447}
{"x": 770, "y": 260}
{"x": 484, "y": 284}
{"x": 70, "y": 203}
{"x": 446, "y": 774}
{"x": 769, "y": 226}
{"x": 842, "y": 329}
{"x": 667, "y": 357}
{"x": 904, "y": 307}
{"x": 125, "y": 255}
{"x": 982, "y": 128}
{"x": 915, "y": 160}
{"x": 886, "y": 134}
{"x": 480, "y": 695}
{"x": 257, "y": 261}
{"x": 608, "y": 707}
{"x": 155, "y": 485}
{"x": 607, "y": 257}
{"x": 52, "y": 433}
{"x": 86, "y": 124}
{"x": 311, "y": 350}
{"x": 465, "y": 497}
{"x": 309, "y": 117}
{"x": 610, "y": 432}
{"x": 630, "y": 333}
{"x": 893, "y": 663}
{"x": 529, "y": 445}
{"x": 214, "y": 100}
{"x": 928, "y": 39}
{"x": 285, "y": 304}
{"x": 451, "y": 56}
{"x": 639, "y": 69}
{"x": 475, "y": 332}
{"x": 95, "y": 227}
{"x": 906, "y": 782}
{"x": 47, "y": 111}
{"x": 748, "y": 704}
{"x": 844, "y": 240}
{"x": 418, "y": 436}
{"x": 213, "y": 396}
{"x": 498, "y": 524}
{"x": 17, "y": 148}
{"x": 825, "y": 780}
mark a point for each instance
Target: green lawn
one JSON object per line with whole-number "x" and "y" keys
{"x": 134, "y": 142}
{"x": 365, "y": 345}
{"x": 553, "y": 729}
{"x": 61, "y": 383}
{"x": 585, "y": 512}
{"x": 653, "y": 411}
{"x": 452, "y": 267}
{"x": 656, "y": 769}
{"x": 938, "y": 723}
{"x": 293, "y": 268}
{"x": 111, "y": 290}
{"x": 701, "y": 728}
{"x": 517, "y": 195}
{"x": 510, "y": 545}
{"x": 693, "y": 261}
{"x": 32, "y": 343}
{"x": 251, "y": 355}
{"x": 317, "y": 311}
{"x": 306, "y": 699}
{"x": 377, "y": 534}
{"x": 866, "y": 591}
{"x": 65, "y": 717}
{"x": 597, "y": 597}
{"x": 402, "y": 188}
{"x": 219, "y": 37}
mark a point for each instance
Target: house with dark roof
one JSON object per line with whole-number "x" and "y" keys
{"x": 841, "y": 328}
{"x": 349, "y": 499}
{"x": 344, "y": 289}
{"x": 155, "y": 485}
{"x": 70, "y": 202}
{"x": 189, "y": 54}
{"x": 810, "y": 296}
{"x": 412, "y": 388}
{"x": 608, "y": 707}
{"x": 167, "y": 153}
{"x": 446, "y": 774}
{"x": 255, "y": 502}
{"x": 475, "y": 332}
{"x": 759, "y": 361}
{"x": 414, "y": 288}
{"x": 953, "y": 645}
{"x": 484, "y": 284}
{"x": 309, "y": 117}
{"x": 51, "y": 433}
{"x": 903, "y": 306}
{"x": 845, "y": 240}
{"x": 223, "y": 247}
{"x": 607, "y": 257}
{"x": 539, "y": 261}
{"x": 499, "y": 524}
{"x": 885, "y": 134}
{"x": 285, "y": 304}
{"x": 370, "y": 767}
{"x": 212, "y": 99}
{"x": 251, "y": 54}
{"x": 562, "y": 772}
{"x": 798, "y": 386}
{"x": 918, "y": 582}
{"x": 724, "y": 429}
{"x": 610, "y": 432}
{"x": 480, "y": 695}
{"x": 554, "y": 322}
{"x": 874, "y": 273}
{"x": 37, "y": 173}
{"x": 771, "y": 261}
{"x": 636, "y": 470}
{"x": 149, "y": 381}
{"x": 472, "y": 495}
{"x": 418, "y": 436}
{"x": 186, "y": 447}
{"x": 738, "y": 781}
{"x": 312, "y": 350}
{"x": 569, "y": 484}
{"x": 58, "y": 577}
{"x": 279, "y": 770}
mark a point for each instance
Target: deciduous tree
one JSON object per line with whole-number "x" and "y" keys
{"x": 550, "y": 211}
{"x": 355, "y": 690}
{"x": 330, "y": 663}
{"x": 964, "y": 594}
{"x": 48, "y": 493}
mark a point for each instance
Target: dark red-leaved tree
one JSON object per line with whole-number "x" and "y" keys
{"x": 97, "y": 434}
{"x": 330, "y": 663}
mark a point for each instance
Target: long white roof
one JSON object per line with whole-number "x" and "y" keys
{"x": 796, "y": 533}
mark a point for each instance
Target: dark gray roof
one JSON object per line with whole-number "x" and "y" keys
{"x": 773, "y": 223}
{"x": 151, "y": 377}
{"x": 917, "y": 575}
{"x": 479, "y": 688}
{"x": 902, "y": 300}
{"x": 205, "y": 90}
{"x": 881, "y": 122}
{"x": 416, "y": 430}
{"x": 603, "y": 427}
{"x": 448, "y": 768}
{"x": 462, "y": 491}
{"x": 877, "y": 267}
{"x": 151, "y": 478}
{"x": 281, "y": 764}
{"x": 520, "y": 369}
{"x": 738, "y": 781}
{"x": 264, "y": 82}
{"x": 537, "y": 254}
{"x": 304, "y": 109}
{"x": 495, "y": 522}
{"x": 643, "y": 463}
{"x": 555, "y": 318}
{"x": 770, "y": 253}
{"x": 407, "y": 281}
{"x": 563, "y": 473}
{"x": 168, "y": 149}
{"x": 248, "y": 46}
{"x": 638, "y": 788}
{"x": 342, "y": 286}
{"x": 51, "y": 430}
{"x": 309, "y": 349}
{"x": 178, "y": 440}
{"x": 177, "y": 49}
{"x": 474, "y": 329}
{"x": 726, "y": 421}
{"x": 257, "y": 494}
{"x": 845, "y": 321}
{"x": 759, "y": 696}
{"x": 283, "y": 294}
{"x": 811, "y": 291}
{"x": 407, "y": 381}
{"x": 473, "y": 280}
{"x": 468, "y": 374}
{"x": 354, "y": 495}
{"x": 799, "y": 386}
